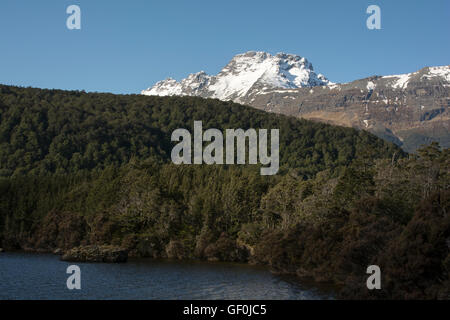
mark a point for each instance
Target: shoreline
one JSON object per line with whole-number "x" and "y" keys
{"x": 308, "y": 279}
{"x": 324, "y": 288}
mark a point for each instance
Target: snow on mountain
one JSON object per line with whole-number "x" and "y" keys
{"x": 246, "y": 74}
{"x": 168, "y": 87}
{"x": 254, "y": 73}
{"x": 401, "y": 81}
{"x": 370, "y": 85}
{"x": 443, "y": 72}
{"x": 192, "y": 85}
{"x": 407, "y": 109}
{"x": 259, "y": 68}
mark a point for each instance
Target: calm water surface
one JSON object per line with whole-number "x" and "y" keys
{"x": 42, "y": 276}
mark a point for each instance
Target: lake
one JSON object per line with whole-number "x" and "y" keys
{"x": 43, "y": 276}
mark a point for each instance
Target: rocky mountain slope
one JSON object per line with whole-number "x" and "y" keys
{"x": 409, "y": 109}
{"x": 245, "y": 75}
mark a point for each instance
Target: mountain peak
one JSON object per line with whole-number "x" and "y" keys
{"x": 246, "y": 74}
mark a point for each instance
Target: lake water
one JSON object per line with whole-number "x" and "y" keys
{"x": 42, "y": 276}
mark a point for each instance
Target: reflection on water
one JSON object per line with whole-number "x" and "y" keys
{"x": 38, "y": 276}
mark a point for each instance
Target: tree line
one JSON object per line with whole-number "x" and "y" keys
{"x": 95, "y": 168}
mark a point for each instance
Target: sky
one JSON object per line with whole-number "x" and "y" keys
{"x": 127, "y": 46}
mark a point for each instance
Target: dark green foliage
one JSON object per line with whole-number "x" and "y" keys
{"x": 94, "y": 169}
{"x": 53, "y": 131}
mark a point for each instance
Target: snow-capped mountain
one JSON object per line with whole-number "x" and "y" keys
{"x": 408, "y": 109}
{"x": 425, "y": 76}
{"x": 441, "y": 74}
{"x": 245, "y": 75}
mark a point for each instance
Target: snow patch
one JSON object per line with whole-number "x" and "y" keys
{"x": 401, "y": 81}
{"x": 443, "y": 72}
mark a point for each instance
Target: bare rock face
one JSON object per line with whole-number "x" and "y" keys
{"x": 93, "y": 253}
{"x": 408, "y": 109}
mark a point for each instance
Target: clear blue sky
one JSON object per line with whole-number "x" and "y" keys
{"x": 126, "y": 46}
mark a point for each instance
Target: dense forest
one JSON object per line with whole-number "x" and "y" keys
{"x": 87, "y": 168}
{"x": 52, "y": 131}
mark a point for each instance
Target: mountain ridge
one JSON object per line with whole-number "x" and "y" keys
{"x": 246, "y": 72}
{"x": 408, "y": 109}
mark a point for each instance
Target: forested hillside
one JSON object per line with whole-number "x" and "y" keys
{"x": 54, "y": 131}
{"x": 80, "y": 169}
